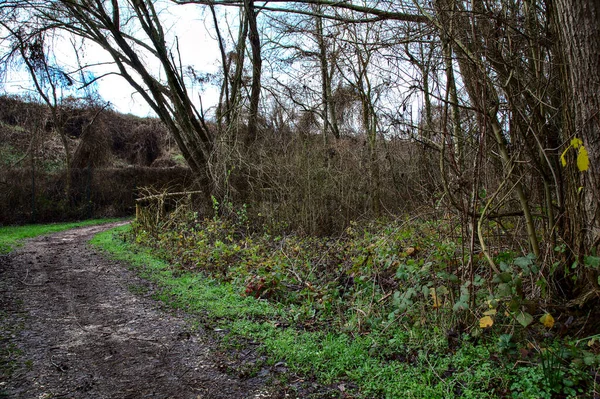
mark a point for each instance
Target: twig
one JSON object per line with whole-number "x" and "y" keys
{"x": 60, "y": 368}
{"x": 163, "y": 195}
{"x": 27, "y": 284}
{"x": 386, "y": 296}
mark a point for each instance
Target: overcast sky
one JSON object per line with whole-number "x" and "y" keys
{"x": 197, "y": 47}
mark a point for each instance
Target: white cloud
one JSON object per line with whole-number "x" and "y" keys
{"x": 198, "y": 49}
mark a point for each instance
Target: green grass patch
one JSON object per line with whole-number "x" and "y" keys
{"x": 390, "y": 359}
{"x": 12, "y": 236}
{"x": 191, "y": 292}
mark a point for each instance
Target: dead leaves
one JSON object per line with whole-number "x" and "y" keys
{"x": 547, "y": 320}
{"x": 523, "y": 318}
{"x": 437, "y": 295}
{"x": 486, "y": 322}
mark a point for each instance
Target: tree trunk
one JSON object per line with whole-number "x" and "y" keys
{"x": 329, "y": 114}
{"x": 254, "y": 39}
{"x": 579, "y": 29}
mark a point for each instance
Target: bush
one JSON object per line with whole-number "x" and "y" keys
{"x": 108, "y": 192}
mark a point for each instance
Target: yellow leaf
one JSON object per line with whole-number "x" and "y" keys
{"x": 436, "y": 301}
{"x": 547, "y": 320}
{"x": 576, "y": 143}
{"x": 491, "y": 312}
{"x": 563, "y": 160}
{"x": 486, "y": 322}
{"x": 583, "y": 160}
{"x": 409, "y": 251}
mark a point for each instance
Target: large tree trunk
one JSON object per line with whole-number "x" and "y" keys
{"x": 579, "y": 28}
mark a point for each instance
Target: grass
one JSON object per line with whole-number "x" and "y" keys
{"x": 13, "y": 236}
{"x": 186, "y": 291}
{"x": 401, "y": 361}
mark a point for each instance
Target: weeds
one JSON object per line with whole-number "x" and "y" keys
{"x": 387, "y": 308}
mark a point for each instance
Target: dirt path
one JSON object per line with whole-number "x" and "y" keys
{"x": 80, "y": 332}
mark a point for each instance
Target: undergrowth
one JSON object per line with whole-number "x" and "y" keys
{"x": 386, "y": 310}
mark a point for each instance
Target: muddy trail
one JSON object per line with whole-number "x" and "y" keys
{"x": 74, "y": 329}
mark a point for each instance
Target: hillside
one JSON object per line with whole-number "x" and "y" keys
{"x": 112, "y": 155}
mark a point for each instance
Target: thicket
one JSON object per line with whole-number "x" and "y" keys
{"x": 396, "y": 294}
{"x": 292, "y": 222}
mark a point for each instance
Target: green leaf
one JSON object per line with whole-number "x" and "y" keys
{"x": 425, "y": 290}
{"x": 514, "y": 305}
{"x": 523, "y": 262}
{"x": 560, "y": 248}
{"x": 518, "y": 283}
{"x": 542, "y": 283}
{"x": 592, "y": 261}
{"x": 505, "y": 277}
{"x": 447, "y": 276}
{"x": 426, "y": 267}
{"x": 524, "y": 318}
{"x": 402, "y": 274}
{"x": 504, "y": 290}
{"x": 589, "y": 358}
{"x": 534, "y": 269}
{"x": 442, "y": 290}
{"x": 478, "y": 281}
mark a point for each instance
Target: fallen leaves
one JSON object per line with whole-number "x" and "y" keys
{"x": 547, "y": 320}
{"x": 486, "y": 322}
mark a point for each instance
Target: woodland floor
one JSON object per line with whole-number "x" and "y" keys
{"x": 74, "y": 329}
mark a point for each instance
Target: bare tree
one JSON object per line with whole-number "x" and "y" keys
{"x": 49, "y": 81}
{"x": 131, "y": 32}
{"x": 254, "y": 38}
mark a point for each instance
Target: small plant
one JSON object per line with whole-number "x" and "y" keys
{"x": 387, "y": 307}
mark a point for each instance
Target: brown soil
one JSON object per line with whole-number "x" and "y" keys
{"x": 71, "y": 326}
